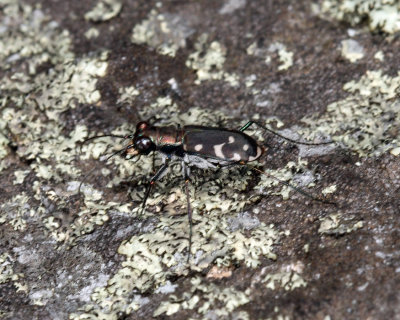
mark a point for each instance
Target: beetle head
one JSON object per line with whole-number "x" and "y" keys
{"x": 140, "y": 142}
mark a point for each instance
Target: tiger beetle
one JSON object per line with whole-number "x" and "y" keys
{"x": 199, "y": 146}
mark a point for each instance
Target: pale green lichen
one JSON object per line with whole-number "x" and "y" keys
{"x": 71, "y": 84}
{"x": 338, "y": 224}
{"x": 285, "y": 57}
{"x": 51, "y": 93}
{"x": 379, "y": 56}
{"x": 204, "y": 298}
{"x": 208, "y": 61}
{"x": 164, "y": 32}
{"x": 3, "y": 141}
{"x": 16, "y": 212}
{"x": 7, "y": 272}
{"x": 30, "y": 115}
{"x": 275, "y": 51}
{"x": 31, "y": 37}
{"x": 288, "y": 280}
{"x": 92, "y": 33}
{"x": 330, "y": 189}
{"x": 104, "y": 10}
{"x": 381, "y": 15}
{"x": 20, "y": 176}
{"x": 127, "y": 94}
{"x": 273, "y": 178}
{"x": 395, "y": 151}
{"x": 352, "y": 50}
{"x": 252, "y": 49}
{"x": 93, "y": 212}
{"x": 367, "y": 120}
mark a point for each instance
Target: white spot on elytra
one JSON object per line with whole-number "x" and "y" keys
{"x": 231, "y": 139}
{"x": 218, "y": 151}
{"x": 246, "y": 147}
{"x": 259, "y": 152}
{"x": 198, "y": 147}
{"x": 236, "y": 157}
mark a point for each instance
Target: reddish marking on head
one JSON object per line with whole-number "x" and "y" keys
{"x": 142, "y": 126}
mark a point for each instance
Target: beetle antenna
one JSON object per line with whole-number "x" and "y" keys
{"x": 108, "y": 158}
{"x": 102, "y": 136}
{"x": 105, "y": 135}
{"x": 281, "y": 136}
{"x": 297, "y": 189}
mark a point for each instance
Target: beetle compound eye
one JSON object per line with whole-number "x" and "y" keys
{"x": 143, "y": 144}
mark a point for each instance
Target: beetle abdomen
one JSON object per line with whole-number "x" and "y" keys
{"x": 228, "y": 145}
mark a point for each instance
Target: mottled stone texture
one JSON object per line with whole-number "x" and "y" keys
{"x": 73, "y": 69}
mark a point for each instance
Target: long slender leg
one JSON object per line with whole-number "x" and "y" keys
{"x": 133, "y": 177}
{"x": 153, "y": 161}
{"x": 157, "y": 176}
{"x": 189, "y": 208}
{"x": 248, "y": 124}
{"x": 297, "y": 189}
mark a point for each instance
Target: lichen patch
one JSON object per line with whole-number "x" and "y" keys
{"x": 7, "y": 273}
{"x": 104, "y": 10}
{"x": 208, "y": 61}
{"x": 381, "y": 15}
{"x": 162, "y": 31}
{"x": 289, "y": 280}
{"x": 338, "y": 224}
{"x": 366, "y": 121}
{"x": 205, "y": 298}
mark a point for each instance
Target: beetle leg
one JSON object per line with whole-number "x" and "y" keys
{"x": 189, "y": 209}
{"x": 156, "y": 177}
{"x": 297, "y": 189}
{"x": 153, "y": 162}
{"x": 248, "y": 124}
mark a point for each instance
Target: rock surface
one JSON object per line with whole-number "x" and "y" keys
{"x": 70, "y": 70}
